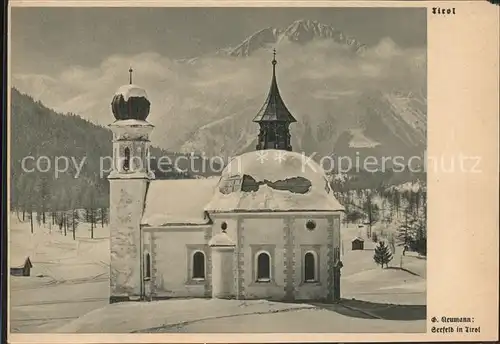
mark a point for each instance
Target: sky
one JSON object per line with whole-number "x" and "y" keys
{"x": 74, "y": 60}
{"x": 49, "y": 40}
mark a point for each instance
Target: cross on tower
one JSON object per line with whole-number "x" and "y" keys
{"x": 274, "y": 56}
{"x": 130, "y": 75}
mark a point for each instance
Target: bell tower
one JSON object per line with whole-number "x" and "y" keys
{"x": 129, "y": 180}
{"x": 274, "y": 118}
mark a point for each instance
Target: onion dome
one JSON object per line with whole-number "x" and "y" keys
{"x": 130, "y": 102}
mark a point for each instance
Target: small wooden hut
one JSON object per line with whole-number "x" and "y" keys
{"x": 358, "y": 244}
{"x": 20, "y": 266}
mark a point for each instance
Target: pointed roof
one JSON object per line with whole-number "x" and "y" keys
{"x": 357, "y": 239}
{"x": 274, "y": 109}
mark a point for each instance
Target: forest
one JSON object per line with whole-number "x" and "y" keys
{"x": 400, "y": 214}
{"x": 38, "y": 131}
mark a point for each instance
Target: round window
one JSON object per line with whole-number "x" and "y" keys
{"x": 310, "y": 225}
{"x": 223, "y": 226}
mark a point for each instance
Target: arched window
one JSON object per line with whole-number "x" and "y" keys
{"x": 147, "y": 266}
{"x": 310, "y": 267}
{"x": 263, "y": 267}
{"x": 198, "y": 265}
{"x": 126, "y": 161}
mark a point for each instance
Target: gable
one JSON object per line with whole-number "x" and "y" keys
{"x": 19, "y": 261}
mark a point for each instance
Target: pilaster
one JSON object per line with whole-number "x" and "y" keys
{"x": 208, "y": 264}
{"x": 240, "y": 259}
{"x": 289, "y": 259}
{"x": 330, "y": 259}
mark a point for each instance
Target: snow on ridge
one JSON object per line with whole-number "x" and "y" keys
{"x": 339, "y": 177}
{"x": 360, "y": 140}
{"x": 408, "y": 186}
{"x": 302, "y": 30}
{"x": 128, "y": 91}
{"x": 274, "y": 165}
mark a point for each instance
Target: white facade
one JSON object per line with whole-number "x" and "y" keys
{"x": 280, "y": 214}
{"x": 128, "y": 180}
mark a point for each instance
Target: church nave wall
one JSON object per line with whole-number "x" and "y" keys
{"x": 263, "y": 235}
{"x": 173, "y": 262}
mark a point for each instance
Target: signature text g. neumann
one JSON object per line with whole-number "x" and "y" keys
{"x": 455, "y": 324}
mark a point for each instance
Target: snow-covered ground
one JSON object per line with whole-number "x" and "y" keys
{"x": 230, "y": 316}
{"x": 68, "y": 292}
{"x": 69, "y": 277}
{"x": 404, "y": 282}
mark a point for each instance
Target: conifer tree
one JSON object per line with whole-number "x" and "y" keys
{"x": 422, "y": 233}
{"x": 421, "y": 240}
{"x": 396, "y": 201}
{"x": 406, "y": 232}
{"x": 418, "y": 197}
{"x": 31, "y": 220}
{"x": 382, "y": 255}
{"x": 419, "y": 243}
{"x": 353, "y": 215}
{"x": 60, "y": 220}
{"x": 392, "y": 243}
{"x": 44, "y": 197}
{"x": 73, "y": 213}
{"x": 28, "y": 202}
{"x": 38, "y": 218}
{"x": 103, "y": 216}
{"x": 372, "y": 212}
{"x": 74, "y": 220}
{"x": 65, "y": 223}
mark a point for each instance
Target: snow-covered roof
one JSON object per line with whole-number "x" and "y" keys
{"x": 18, "y": 260}
{"x": 281, "y": 181}
{"x": 131, "y": 90}
{"x": 221, "y": 239}
{"x": 357, "y": 239}
{"x": 178, "y": 201}
{"x": 131, "y": 123}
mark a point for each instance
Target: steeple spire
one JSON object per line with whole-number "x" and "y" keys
{"x": 274, "y": 118}
{"x": 130, "y": 70}
{"x": 274, "y": 63}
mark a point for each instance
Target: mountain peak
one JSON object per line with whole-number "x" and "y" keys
{"x": 306, "y": 23}
{"x": 300, "y": 31}
{"x": 305, "y": 30}
{"x": 256, "y": 41}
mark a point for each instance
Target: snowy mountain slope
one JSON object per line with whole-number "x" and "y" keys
{"x": 381, "y": 126}
{"x": 347, "y": 98}
{"x": 300, "y": 31}
{"x": 336, "y": 114}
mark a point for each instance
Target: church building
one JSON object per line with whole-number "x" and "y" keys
{"x": 268, "y": 228}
